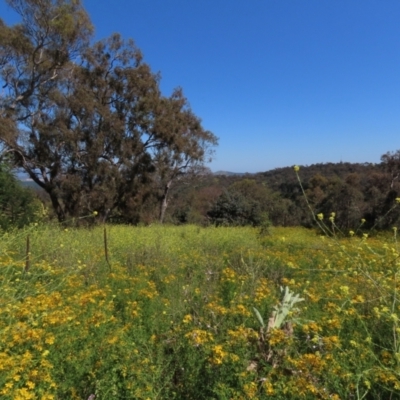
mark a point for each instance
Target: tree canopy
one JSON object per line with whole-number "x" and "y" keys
{"x": 88, "y": 122}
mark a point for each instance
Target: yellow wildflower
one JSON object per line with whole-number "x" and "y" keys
{"x": 187, "y": 318}
{"x": 344, "y": 289}
{"x": 199, "y": 336}
{"x": 218, "y": 355}
{"x": 269, "y": 389}
{"x": 30, "y": 384}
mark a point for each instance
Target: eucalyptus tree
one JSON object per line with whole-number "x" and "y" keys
{"x": 88, "y": 122}
{"x": 132, "y": 141}
{"x": 35, "y": 57}
{"x": 107, "y": 120}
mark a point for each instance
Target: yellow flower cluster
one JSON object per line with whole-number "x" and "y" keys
{"x": 199, "y": 337}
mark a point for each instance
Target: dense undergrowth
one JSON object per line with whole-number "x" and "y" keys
{"x": 171, "y": 314}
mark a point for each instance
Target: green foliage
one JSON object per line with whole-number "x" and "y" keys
{"x": 281, "y": 312}
{"x": 244, "y": 203}
{"x": 234, "y": 209}
{"x": 18, "y": 206}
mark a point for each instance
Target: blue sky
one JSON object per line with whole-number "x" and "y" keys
{"x": 280, "y": 82}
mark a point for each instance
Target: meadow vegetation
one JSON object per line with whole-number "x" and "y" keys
{"x": 232, "y": 309}
{"x": 188, "y": 313}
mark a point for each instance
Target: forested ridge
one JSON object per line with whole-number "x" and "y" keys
{"x": 353, "y": 191}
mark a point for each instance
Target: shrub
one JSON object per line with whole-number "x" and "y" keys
{"x": 19, "y": 206}
{"x": 234, "y": 209}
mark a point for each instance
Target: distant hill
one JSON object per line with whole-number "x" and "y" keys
{"x": 227, "y": 173}
{"x": 29, "y": 184}
{"x": 280, "y": 177}
{"x": 277, "y": 177}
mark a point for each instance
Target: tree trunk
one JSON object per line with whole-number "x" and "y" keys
{"x": 164, "y": 201}
{"x": 57, "y": 206}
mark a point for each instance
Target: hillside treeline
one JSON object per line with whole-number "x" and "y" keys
{"x": 352, "y": 191}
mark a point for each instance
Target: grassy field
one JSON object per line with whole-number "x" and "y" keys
{"x": 198, "y": 313}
